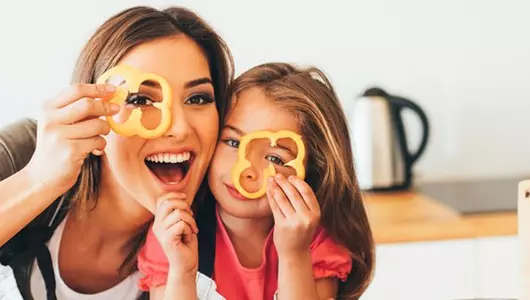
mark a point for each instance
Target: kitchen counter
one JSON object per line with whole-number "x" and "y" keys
{"x": 398, "y": 217}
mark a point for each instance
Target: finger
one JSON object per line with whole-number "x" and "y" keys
{"x": 306, "y": 192}
{"x": 292, "y": 194}
{"x": 86, "y": 129}
{"x": 179, "y": 231}
{"x": 169, "y": 203}
{"x": 171, "y": 195}
{"x": 192, "y": 240}
{"x": 276, "y": 211}
{"x": 178, "y": 201}
{"x": 188, "y": 234}
{"x": 180, "y": 215}
{"x": 78, "y": 91}
{"x": 89, "y": 145}
{"x": 278, "y": 195}
{"x": 83, "y": 109}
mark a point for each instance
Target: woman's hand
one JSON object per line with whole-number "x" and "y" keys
{"x": 69, "y": 129}
{"x": 176, "y": 231}
{"x": 296, "y": 214}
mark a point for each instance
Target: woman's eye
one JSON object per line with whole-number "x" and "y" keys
{"x": 199, "y": 99}
{"x": 138, "y": 100}
{"x": 232, "y": 143}
{"x": 275, "y": 160}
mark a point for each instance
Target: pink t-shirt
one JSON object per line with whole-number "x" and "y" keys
{"x": 237, "y": 282}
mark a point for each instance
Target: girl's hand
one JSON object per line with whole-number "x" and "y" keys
{"x": 68, "y": 130}
{"x": 176, "y": 231}
{"x": 296, "y": 214}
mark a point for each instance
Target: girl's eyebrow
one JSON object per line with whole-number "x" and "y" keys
{"x": 279, "y": 144}
{"x": 286, "y": 148}
{"x": 233, "y": 128}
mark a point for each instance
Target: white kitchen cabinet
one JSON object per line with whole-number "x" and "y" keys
{"x": 445, "y": 270}
{"x": 498, "y": 267}
{"x": 427, "y": 270}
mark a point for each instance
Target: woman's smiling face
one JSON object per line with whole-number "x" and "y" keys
{"x": 144, "y": 169}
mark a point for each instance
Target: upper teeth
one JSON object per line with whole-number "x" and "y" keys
{"x": 172, "y": 158}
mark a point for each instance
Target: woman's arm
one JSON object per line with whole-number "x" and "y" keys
{"x": 37, "y": 165}
{"x": 21, "y": 200}
{"x": 21, "y": 197}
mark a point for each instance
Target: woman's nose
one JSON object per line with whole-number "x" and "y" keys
{"x": 180, "y": 127}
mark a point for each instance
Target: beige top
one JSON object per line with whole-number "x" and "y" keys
{"x": 21, "y": 136}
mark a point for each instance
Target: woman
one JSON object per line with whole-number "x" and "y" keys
{"x": 96, "y": 194}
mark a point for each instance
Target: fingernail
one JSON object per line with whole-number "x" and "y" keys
{"x": 278, "y": 176}
{"x": 271, "y": 179}
{"x": 291, "y": 177}
{"x": 97, "y": 152}
{"x": 114, "y": 107}
{"x": 110, "y": 88}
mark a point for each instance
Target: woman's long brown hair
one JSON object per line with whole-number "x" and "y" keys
{"x": 309, "y": 95}
{"x": 110, "y": 43}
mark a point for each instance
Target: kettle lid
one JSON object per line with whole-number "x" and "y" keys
{"x": 375, "y": 92}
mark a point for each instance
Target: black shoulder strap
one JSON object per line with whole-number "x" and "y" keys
{"x": 29, "y": 244}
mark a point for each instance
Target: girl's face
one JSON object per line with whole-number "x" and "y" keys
{"x": 144, "y": 169}
{"x": 252, "y": 111}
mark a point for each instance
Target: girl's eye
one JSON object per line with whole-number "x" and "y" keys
{"x": 275, "y": 160}
{"x": 138, "y": 100}
{"x": 232, "y": 143}
{"x": 199, "y": 99}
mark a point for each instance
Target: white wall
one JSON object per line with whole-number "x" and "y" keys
{"x": 466, "y": 62}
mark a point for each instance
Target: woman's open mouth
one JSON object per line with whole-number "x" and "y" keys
{"x": 170, "y": 168}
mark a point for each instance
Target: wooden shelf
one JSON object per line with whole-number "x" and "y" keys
{"x": 411, "y": 217}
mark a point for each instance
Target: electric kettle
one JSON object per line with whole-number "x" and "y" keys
{"x": 383, "y": 160}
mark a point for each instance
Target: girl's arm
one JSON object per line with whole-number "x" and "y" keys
{"x": 169, "y": 258}
{"x": 296, "y": 216}
{"x": 205, "y": 289}
{"x": 177, "y": 287}
{"x": 296, "y": 281}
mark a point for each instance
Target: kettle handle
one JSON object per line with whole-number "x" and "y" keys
{"x": 400, "y": 103}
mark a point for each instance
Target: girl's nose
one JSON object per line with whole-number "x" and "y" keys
{"x": 250, "y": 173}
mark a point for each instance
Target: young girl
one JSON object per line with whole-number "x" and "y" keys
{"x": 304, "y": 239}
